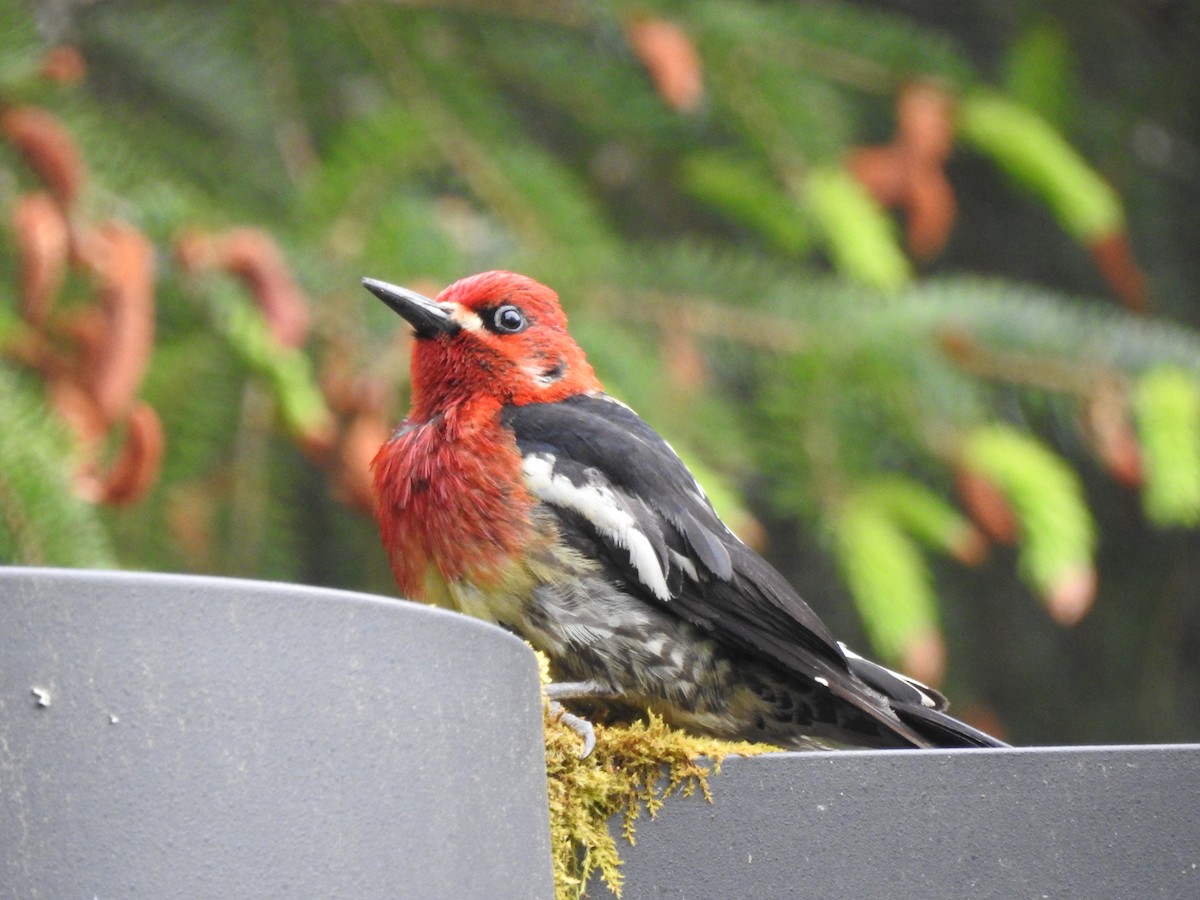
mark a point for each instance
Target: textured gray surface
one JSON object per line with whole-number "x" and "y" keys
{"x": 168, "y": 737}
{"x": 1117, "y": 822}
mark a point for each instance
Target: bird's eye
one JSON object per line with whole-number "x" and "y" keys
{"x": 509, "y": 320}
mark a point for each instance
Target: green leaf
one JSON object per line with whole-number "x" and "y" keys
{"x": 1167, "y": 410}
{"x": 749, "y": 197}
{"x": 887, "y": 576}
{"x": 1057, "y": 536}
{"x": 1029, "y": 149}
{"x": 860, "y": 236}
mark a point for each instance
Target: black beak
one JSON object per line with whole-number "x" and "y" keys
{"x": 426, "y": 316}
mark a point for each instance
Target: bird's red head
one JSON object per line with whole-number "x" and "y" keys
{"x": 496, "y": 335}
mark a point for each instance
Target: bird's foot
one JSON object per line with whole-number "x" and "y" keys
{"x": 578, "y": 690}
{"x": 577, "y": 724}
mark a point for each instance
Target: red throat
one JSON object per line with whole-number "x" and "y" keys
{"x": 450, "y": 499}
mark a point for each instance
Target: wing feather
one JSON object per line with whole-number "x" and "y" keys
{"x": 623, "y": 496}
{"x": 597, "y": 459}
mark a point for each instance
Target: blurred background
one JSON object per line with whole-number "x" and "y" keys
{"x": 910, "y": 285}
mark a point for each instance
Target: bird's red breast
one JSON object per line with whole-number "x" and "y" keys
{"x": 450, "y": 500}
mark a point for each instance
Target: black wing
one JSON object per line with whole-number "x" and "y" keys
{"x": 625, "y": 492}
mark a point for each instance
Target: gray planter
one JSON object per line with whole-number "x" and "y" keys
{"x": 177, "y": 737}
{"x": 1082, "y": 822}
{"x": 165, "y": 736}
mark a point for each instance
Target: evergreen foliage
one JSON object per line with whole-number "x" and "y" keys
{"x": 718, "y": 199}
{"x": 42, "y": 521}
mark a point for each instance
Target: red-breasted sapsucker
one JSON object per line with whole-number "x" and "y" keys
{"x": 517, "y": 491}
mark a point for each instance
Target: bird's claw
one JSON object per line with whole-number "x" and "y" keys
{"x": 579, "y": 725}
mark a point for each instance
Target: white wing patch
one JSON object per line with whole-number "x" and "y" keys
{"x": 601, "y": 506}
{"x": 689, "y": 567}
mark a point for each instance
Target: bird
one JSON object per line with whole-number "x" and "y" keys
{"x": 518, "y": 491}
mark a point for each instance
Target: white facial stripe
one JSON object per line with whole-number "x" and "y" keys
{"x": 600, "y": 506}
{"x": 538, "y": 376}
{"x": 464, "y": 318}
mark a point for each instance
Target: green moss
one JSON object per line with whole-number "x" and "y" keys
{"x": 633, "y": 768}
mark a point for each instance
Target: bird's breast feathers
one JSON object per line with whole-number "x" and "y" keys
{"x": 451, "y": 504}
{"x": 456, "y": 493}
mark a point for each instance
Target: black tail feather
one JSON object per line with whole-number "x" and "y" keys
{"x": 918, "y": 706}
{"x": 942, "y": 730}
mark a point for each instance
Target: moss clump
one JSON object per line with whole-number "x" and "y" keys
{"x": 633, "y": 767}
